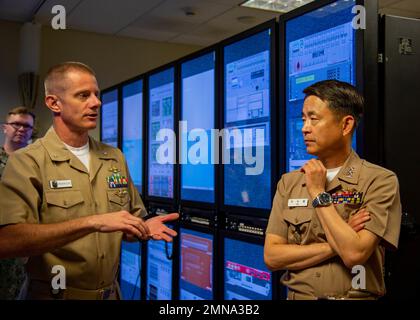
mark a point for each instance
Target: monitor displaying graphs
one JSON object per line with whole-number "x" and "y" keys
{"x": 246, "y": 276}
{"x": 246, "y": 151}
{"x": 159, "y": 270}
{"x": 197, "y": 120}
{"x": 196, "y": 265}
{"x": 130, "y": 270}
{"x": 161, "y": 116}
{"x": 132, "y": 130}
{"x": 109, "y": 118}
{"x": 320, "y": 45}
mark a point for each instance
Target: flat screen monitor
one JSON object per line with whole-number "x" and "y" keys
{"x": 132, "y": 130}
{"x": 109, "y": 118}
{"x": 161, "y": 151}
{"x": 246, "y": 151}
{"x": 159, "y": 270}
{"x": 130, "y": 270}
{"x": 245, "y": 275}
{"x": 197, "y": 116}
{"x": 320, "y": 45}
{"x": 196, "y": 265}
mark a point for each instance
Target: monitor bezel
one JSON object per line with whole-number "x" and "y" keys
{"x": 274, "y": 121}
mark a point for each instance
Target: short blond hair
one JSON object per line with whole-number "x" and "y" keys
{"x": 57, "y": 73}
{"x": 20, "y": 110}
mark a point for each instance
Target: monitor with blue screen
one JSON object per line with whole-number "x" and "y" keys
{"x": 245, "y": 275}
{"x": 247, "y": 85}
{"x": 130, "y": 270}
{"x": 161, "y": 116}
{"x": 132, "y": 130}
{"x": 197, "y": 116}
{"x": 320, "y": 45}
{"x": 109, "y": 118}
{"x": 159, "y": 270}
{"x": 196, "y": 265}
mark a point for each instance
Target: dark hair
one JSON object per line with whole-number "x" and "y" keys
{"x": 341, "y": 97}
{"x": 21, "y": 110}
{"x": 57, "y": 73}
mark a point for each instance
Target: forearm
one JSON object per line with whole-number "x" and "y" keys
{"x": 297, "y": 257}
{"x": 342, "y": 238}
{"x": 23, "y": 240}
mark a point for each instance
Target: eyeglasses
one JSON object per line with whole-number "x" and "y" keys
{"x": 17, "y": 125}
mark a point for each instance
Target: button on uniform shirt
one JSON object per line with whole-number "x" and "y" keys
{"x": 46, "y": 183}
{"x": 379, "y": 192}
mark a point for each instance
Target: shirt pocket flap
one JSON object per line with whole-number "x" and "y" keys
{"x": 298, "y": 216}
{"x": 120, "y": 199}
{"x": 64, "y": 199}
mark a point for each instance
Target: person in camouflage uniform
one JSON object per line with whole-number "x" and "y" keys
{"x": 17, "y": 130}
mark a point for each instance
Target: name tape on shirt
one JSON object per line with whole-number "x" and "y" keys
{"x": 59, "y": 184}
{"x": 297, "y": 203}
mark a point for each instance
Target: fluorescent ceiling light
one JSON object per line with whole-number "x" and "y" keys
{"x": 282, "y": 6}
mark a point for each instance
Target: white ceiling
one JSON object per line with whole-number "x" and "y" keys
{"x": 163, "y": 20}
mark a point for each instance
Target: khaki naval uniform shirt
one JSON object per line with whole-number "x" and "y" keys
{"x": 27, "y": 196}
{"x": 300, "y": 225}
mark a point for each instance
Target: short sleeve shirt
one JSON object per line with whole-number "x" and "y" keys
{"x": 359, "y": 184}
{"x": 45, "y": 183}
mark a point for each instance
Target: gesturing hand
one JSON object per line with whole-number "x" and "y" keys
{"x": 315, "y": 176}
{"x": 158, "y": 230}
{"x": 121, "y": 221}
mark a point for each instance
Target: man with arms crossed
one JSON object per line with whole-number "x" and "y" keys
{"x": 338, "y": 211}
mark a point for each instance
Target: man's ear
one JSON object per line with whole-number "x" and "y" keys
{"x": 53, "y": 103}
{"x": 349, "y": 124}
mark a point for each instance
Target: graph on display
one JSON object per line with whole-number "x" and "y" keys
{"x": 161, "y": 116}
{"x": 246, "y": 276}
{"x": 196, "y": 265}
{"x": 132, "y": 139}
{"x": 197, "y": 115}
{"x": 321, "y": 45}
{"x": 247, "y": 118}
{"x": 130, "y": 270}
{"x": 109, "y": 118}
{"x": 159, "y": 270}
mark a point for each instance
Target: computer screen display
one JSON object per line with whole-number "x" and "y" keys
{"x": 246, "y": 276}
{"x": 197, "y": 116}
{"x": 132, "y": 130}
{"x": 109, "y": 118}
{"x": 247, "y": 150}
{"x": 130, "y": 270}
{"x": 160, "y": 149}
{"x": 320, "y": 45}
{"x": 159, "y": 270}
{"x": 196, "y": 265}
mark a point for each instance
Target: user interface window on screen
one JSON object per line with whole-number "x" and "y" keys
{"x": 320, "y": 45}
{"x": 247, "y": 118}
{"x": 197, "y": 116}
{"x": 161, "y": 116}
{"x": 109, "y": 118}
{"x": 130, "y": 270}
{"x": 132, "y": 139}
{"x": 246, "y": 276}
{"x": 159, "y": 270}
{"x": 196, "y": 265}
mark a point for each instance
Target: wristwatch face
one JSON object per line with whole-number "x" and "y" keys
{"x": 325, "y": 198}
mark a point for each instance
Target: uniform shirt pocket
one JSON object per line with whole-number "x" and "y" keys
{"x": 298, "y": 220}
{"x": 117, "y": 201}
{"x": 63, "y": 205}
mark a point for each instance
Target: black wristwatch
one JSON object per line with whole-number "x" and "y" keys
{"x": 324, "y": 199}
